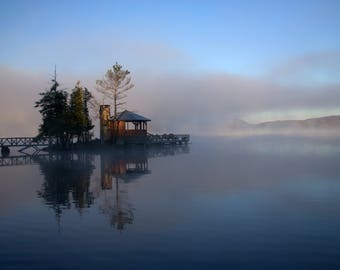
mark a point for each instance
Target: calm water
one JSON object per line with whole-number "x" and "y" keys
{"x": 255, "y": 203}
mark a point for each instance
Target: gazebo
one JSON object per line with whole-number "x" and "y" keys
{"x": 128, "y": 127}
{"x": 132, "y": 127}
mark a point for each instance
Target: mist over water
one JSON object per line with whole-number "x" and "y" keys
{"x": 200, "y": 103}
{"x": 262, "y": 202}
{"x": 255, "y": 84}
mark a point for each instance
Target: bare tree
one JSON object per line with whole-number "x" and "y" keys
{"x": 114, "y": 86}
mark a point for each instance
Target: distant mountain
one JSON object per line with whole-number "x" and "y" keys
{"x": 240, "y": 124}
{"x": 327, "y": 122}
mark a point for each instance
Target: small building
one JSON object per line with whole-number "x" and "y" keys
{"x": 128, "y": 128}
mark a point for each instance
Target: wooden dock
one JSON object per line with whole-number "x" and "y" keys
{"x": 35, "y": 143}
{"x": 168, "y": 139}
{"x": 25, "y": 143}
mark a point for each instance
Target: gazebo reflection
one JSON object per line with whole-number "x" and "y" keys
{"x": 116, "y": 172}
{"x": 126, "y": 166}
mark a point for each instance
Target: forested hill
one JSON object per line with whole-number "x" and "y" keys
{"x": 327, "y": 122}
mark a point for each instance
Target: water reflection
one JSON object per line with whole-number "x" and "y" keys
{"x": 116, "y": 171}
{"x": 66, "y": 181}
{"x": 222, "y": 202}
{"x": 69, "y": 182}
{"x": 127, "y": 166}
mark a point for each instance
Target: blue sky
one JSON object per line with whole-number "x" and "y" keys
{"x": 255, "y": 60}
{"x": 243, "y": 37}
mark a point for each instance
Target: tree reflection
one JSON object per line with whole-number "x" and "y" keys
{"x": 67, "y": 181}
{"x": 69, "y": 184}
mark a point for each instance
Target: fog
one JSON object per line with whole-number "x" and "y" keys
{"x": 199, "y": 102}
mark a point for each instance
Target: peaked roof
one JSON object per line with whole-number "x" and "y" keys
{"x": 131, "y": 117}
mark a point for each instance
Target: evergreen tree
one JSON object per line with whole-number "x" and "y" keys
{"x": 80, "y": 121}
{"x": 55, "y": 113}
{"x": 62, "y": 118}
{"x": 88, "y": 122}
{"x": 77, "y": 116}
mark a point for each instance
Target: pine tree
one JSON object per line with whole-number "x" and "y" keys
{"x": 80, "y": 121}
{"x": 88, "y": 122}
{"x": 55, "y": 112}
{"x": 114, "y": 85}
{"x": 77, "y": 116}
{"x": 62, "y": 118}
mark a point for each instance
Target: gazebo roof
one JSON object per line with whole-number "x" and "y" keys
{"x": 128, "y": 116}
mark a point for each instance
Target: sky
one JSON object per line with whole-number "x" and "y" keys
{"x": 196, "y": 65}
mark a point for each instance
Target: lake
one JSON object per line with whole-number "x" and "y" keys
{"x": 219, "y": 203}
